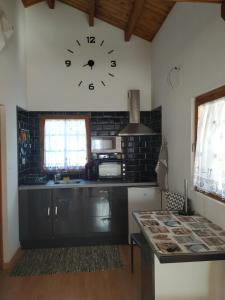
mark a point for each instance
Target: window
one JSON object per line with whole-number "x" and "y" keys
{"x": 209, "y": 168}
{"x": 64, "y": 142}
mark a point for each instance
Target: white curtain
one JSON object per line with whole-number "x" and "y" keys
{"x": 6, "y": 29}
{"x": 209, "y": 170}
{"x": 65, "y": 144}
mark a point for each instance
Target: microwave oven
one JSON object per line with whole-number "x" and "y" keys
{"x": 106, "y": 144}
{"x": 111, "y": 169}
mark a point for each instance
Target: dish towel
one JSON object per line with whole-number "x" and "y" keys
{"x": 162, "y": 167}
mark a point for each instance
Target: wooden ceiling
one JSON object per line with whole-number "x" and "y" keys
{"x": 139, "y": 17}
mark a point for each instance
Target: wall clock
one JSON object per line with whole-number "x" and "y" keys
{"x": 93, "y": 61}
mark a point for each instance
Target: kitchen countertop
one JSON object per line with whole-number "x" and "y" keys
{"x": 178, "y": 238}
{"x": 86, "y": 183}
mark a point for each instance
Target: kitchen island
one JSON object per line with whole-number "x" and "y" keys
{"x": 179, "y": 256}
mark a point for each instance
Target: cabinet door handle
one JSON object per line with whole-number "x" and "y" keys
{"x": 56, "y": 210}
{"x": 49, "y": 211}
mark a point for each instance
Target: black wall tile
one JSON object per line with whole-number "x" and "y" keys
{"x": 140, "y": 152}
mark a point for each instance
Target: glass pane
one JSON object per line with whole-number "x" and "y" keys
{"x": 75, "y": 127}
{"x": 209, "y": 174}
{"x": 54, "y": 143}
{"x": 65, "y": 143}
{"x": 54, "y": 159}
{"x": 54, "y": 127}
{"x": 76, "y": 143}
{"x": 77, "y": 159}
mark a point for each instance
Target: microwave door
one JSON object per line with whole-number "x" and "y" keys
{"x": 101, "y": 145}
{"x": 105, "y": 144}
{"x": 109, "y": 170}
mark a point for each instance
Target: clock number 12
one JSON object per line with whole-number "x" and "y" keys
{"x": 91, "y": 39}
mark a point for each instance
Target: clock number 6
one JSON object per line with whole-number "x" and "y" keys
{"x": 91, "y": 39}
{"x": 91, "y": 87}
{"x": 113, "y": 63}
{"x": 68, "y": 63}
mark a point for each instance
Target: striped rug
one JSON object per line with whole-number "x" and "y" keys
{"x": 66, "y": 260}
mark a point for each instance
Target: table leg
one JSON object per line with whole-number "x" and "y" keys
{"x": 147, "y": 273}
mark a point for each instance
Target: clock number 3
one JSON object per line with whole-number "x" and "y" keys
{"x": 113, "y": 63}
{"x": 68, "y": 63}
{"x": 91, "y": 86}
{"x": 91, "y": 39}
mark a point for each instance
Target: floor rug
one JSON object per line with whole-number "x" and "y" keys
{"x": 66, "y": 260}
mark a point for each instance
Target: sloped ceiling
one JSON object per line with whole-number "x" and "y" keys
{"x": 140, "y": 17}
{"x": 120, "y": 13}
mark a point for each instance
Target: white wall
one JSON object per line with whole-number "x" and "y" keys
{"x": 192, "y": 285}
{"x": 193, "y": 37}
{"x": 52, "y": 86}
{"x": 12, "y": 93}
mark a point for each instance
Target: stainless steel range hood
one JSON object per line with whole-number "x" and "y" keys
{"x": 135, "y": 127}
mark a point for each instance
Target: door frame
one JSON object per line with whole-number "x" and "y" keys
{"x": 1, "y": 209}
{"x": 2, "y": 140}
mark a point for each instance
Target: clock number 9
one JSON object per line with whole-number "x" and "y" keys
{"x": 68, "y": 63}
{"x": 91, "y": 39}
{"x": 113, "y": 63}
{"x": 91, "y": 87}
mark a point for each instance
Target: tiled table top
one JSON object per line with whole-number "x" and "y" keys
{"x": 177, "y": 238}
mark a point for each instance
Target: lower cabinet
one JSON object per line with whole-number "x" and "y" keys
{"x": 67, "y": 212}
{"x": 35, "y": 220}
{"x": 73, "y": 216}
{"x": 106, "y": 214}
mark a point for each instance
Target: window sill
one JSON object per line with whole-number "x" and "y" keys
{"x": 210, "y": 195}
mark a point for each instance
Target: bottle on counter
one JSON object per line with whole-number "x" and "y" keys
{"x": 89, "y": 171}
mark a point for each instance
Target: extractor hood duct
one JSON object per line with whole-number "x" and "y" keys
{"x": 135, "y": 127}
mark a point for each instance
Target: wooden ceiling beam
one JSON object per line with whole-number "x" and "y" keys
{"x": 135, "y": 14}
{"x": 223, "y": 10}
{"x": 51, "y": 4}
{"x": 193, "y": 1}
{"x": 92, "y": 6}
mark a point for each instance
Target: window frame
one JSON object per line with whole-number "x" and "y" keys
{"x": 210, "y": 96}
{"x": 63, "y": 117}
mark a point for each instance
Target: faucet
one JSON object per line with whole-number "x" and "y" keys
{"x": 57, "y": 177}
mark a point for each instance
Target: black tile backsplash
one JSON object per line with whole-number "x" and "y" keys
{"x": 24, "y": 142}
{"x": 141, "y": 152}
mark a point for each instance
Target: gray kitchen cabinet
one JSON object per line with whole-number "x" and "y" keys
{"x": 98, "y": 211}
{"x": 67, "y": 212}
{"x": 106, "y": 214}
{"x": 50, "y": 217}
{"x": 35, "y": 221}
{"x": 120, "y": 213}
{"x": 73, "y": 216}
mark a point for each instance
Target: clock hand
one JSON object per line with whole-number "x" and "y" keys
{"x": 90, "y": 63}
